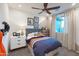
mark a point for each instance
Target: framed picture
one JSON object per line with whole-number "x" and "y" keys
{"x": 36, "y": 19}
{"x": 30, "y": 21}
{"x": 36, "y": 22}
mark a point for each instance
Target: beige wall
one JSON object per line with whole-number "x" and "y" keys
{"x": 42, "y": 21}
{"x": 18, "y": 19}
{"x": 46, "y": 21}
{"x": 3, "y": 9}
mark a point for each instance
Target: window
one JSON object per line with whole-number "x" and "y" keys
{"x": 59, "y": 24}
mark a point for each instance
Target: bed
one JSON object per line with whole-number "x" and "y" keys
{"x": 41, "y": 45}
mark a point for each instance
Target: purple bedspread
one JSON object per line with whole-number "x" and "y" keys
{"x": 40, "y": 48}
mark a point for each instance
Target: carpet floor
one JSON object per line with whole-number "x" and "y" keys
{"x": 25, "y": 52}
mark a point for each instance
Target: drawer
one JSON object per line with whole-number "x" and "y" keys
{"x": 15, "y": 40}
{"x": 19, "y": 40}
{"x": 21, "y": 44}
{"x": 17, "y": 43}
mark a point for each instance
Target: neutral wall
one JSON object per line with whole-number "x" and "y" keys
{"x": 42, "y": 21}
{"x": 45, "y": 21}
{"x": 17, "y": 19}
{"x": 2, "y": 14}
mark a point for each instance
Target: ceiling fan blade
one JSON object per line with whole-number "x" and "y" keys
{"x": 45, "y": 5}
{"x": 57, "y": 7}
{"x": 40, "y": 12}
{"x": 36, "y": 8}
{"x": 48, "y": 12}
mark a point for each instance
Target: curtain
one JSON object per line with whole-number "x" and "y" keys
{"x": 68, "y": 37}
{"x": 52, "y": 31}
{"x": 77, "y": 29}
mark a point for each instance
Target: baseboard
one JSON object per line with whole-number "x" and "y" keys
{"x": 77, "y": 51}
{"x": 18, "y": 48}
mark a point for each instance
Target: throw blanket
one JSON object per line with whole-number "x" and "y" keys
{"x": 43, "y": 45}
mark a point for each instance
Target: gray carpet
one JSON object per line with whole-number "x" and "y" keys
{"x": 25, "y": 52}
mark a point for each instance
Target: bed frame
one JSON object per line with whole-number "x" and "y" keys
{"x": 31, "y": 49}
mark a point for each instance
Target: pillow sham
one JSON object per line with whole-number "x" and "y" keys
{"x": 39, "y": 34}
{"x": 30, "y": 35}
{"x": 34, "y": 34}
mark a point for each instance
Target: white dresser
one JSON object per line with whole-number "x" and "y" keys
{"x": 17, "y": 42}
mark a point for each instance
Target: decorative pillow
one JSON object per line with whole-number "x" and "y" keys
{"x": 34, "y": 34}
{"x": 39, "y": 34}
{"x": 30, "y": 35}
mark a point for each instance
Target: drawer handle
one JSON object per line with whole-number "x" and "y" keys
{"x": 18, "y": 43}
{"x": 19, "y": 40}
{"x": 18, "y": 37}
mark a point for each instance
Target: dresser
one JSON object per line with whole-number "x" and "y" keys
{"x": 17, "y": 42}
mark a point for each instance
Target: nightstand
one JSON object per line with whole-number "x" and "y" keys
{"x": 17, "y": 42}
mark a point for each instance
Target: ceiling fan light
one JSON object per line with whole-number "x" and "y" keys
{"x": 73, "y": 4}
{"x": 19, "y": 5}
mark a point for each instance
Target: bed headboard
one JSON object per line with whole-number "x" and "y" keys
{"x": 32, "y": 30}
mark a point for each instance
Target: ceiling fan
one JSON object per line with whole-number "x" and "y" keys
{"x": 46, "y": 9}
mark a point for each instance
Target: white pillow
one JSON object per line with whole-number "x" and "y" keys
{"x": 30, "y": 35}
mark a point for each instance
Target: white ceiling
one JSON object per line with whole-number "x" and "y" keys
{"x": 27, "y": 7}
